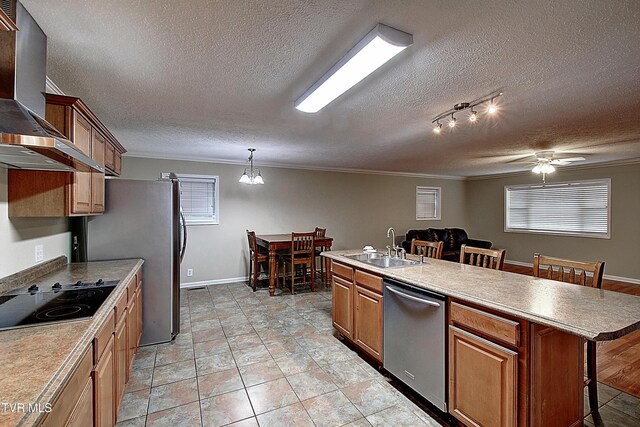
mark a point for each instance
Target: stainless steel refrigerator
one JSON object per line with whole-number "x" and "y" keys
{"x": 143, "y": 219}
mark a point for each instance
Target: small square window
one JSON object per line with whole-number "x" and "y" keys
{"x": 199, "y": 198}
{"x": 428, "y": 203}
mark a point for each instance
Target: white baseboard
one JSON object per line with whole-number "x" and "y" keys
{"x": 606, "y": 276}
{"x": 213, "y": 282}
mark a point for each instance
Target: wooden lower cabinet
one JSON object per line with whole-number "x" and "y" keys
{"x": 368, "y": 327}
{"x": 342, "y": 306}
{"x": 120, "y": 346}
{"x": 357, "y": 308}
{"x": 132, "y": 333}
{"x": 104, "y": 387}
{"x": 506, "y": 371}
{"x": 82, "y": 415}
{"x": 139, "y": 314}
{"x": 482, "y": 380}
{"x": 66, "y": 406}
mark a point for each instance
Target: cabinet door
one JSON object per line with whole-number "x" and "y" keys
{"x": 81, "y": 189}
{"x": 139, "y": 313}
{"x": 103, "y": 378}
{"x": 482, "y": 381}
{"x": 132, "y": 326}
{"x": 109, "y": 156}
{"x": 342, "y": 306}
{"x": 82, "y": 414}
{"x": 98, "y": 144}
{"x": 121, "y": 366}
{"x": 368, "y": 322}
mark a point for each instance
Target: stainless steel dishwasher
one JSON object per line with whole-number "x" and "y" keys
{"x": 415, "y": 339}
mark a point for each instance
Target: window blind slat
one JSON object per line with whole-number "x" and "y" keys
{"x": 564, "y": 208}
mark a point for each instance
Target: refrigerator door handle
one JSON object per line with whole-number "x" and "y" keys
{"x": 184, "y": 235}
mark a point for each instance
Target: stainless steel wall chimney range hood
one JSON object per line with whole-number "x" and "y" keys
{"x": 27, "y": 141}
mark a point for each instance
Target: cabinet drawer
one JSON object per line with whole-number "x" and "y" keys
{"x": 68, "y": 398}
{"x": 121, "y": 305}
{"x": 494, "y": 326}
{"x": 103, "y": 336}
{"x": 369, "y": 281}
{"x": 342, "y": 270}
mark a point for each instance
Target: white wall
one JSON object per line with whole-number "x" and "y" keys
{"x": 355, "y": 208}
{"x": 19, "y": 236}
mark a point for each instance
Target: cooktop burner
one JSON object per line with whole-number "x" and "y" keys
{"x": 36, "y": 305}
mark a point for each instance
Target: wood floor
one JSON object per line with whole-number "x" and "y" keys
{"x": 619, "y": 360}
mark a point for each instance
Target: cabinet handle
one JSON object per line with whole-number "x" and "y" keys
{"x": 412, "y": 298}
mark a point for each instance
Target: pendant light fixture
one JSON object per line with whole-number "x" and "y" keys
{"x": 254, "y": 176}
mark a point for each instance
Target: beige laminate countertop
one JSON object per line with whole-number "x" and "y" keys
{"x": 37, "y": 360}
{"x": 594, "y": 314}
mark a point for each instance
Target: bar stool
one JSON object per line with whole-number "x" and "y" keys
{"x": 564, "y": 270}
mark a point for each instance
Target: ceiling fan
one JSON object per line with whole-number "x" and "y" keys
{"x": 546, "y": 161}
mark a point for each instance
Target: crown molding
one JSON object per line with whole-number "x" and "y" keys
{"x": 297, "y": 167}
{"x": 51, "y": 87}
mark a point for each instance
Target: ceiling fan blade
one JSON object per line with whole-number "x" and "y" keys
{"x": 566, "y": 161}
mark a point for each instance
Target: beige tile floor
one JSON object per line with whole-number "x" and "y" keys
{"x": 247, "y": 359}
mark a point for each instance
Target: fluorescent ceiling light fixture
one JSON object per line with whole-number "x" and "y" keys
{"x": 380, "y": 45}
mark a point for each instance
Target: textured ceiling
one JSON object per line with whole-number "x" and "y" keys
{"x": 206, "y": 80}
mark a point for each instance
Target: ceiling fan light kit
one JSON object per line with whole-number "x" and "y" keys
{"x": 492, "y": 108}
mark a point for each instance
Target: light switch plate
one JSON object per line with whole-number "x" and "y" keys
{"x": 189, "y": 272}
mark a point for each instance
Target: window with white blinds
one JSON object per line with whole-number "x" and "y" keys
{"x": 580, "y": 208}
{"x": 199, "y": 198}
{"x": 427, "y": 203}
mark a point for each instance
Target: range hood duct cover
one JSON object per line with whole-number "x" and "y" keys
{"x": 27, "y": 141}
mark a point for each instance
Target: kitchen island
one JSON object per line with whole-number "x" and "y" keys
{"x": 53, "y": 371}
{"x": 515, "y": 343}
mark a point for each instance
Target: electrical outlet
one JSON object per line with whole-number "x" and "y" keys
{"x": 189, "y": 272}
{"x": 39, "y": 253}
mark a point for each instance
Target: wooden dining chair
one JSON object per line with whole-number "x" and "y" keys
{"x": 480, "y": 257}
{"x": 426, "y": 248}
{"x": 577, "y": 273}
{"x": 320, "y": 232}
{"x": 302, "y": 253}
{"x": 255, "y": 258}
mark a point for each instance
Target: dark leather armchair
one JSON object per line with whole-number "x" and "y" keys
{"x": 453, "y": 239}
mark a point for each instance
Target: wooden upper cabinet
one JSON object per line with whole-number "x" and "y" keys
{"x": 98, "y": 146}
{"x": 7, "y": 23}
{"x": 54, "y": 194}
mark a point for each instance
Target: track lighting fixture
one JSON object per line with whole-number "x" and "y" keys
{"x": 462, "y": 106}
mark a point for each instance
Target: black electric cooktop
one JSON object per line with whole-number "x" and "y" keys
{"x": 36, "y": 305}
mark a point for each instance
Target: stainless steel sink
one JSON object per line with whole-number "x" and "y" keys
{"x": 382, "y": 260}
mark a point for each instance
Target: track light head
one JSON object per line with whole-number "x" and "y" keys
{"x": 438, "y": 128}
{"x": 473, "y": 116}
{"x": 492, "y": 108}
{"x": 452, "y": 122}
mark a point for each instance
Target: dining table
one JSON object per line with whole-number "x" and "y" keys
{"x": 279, "y": 242}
